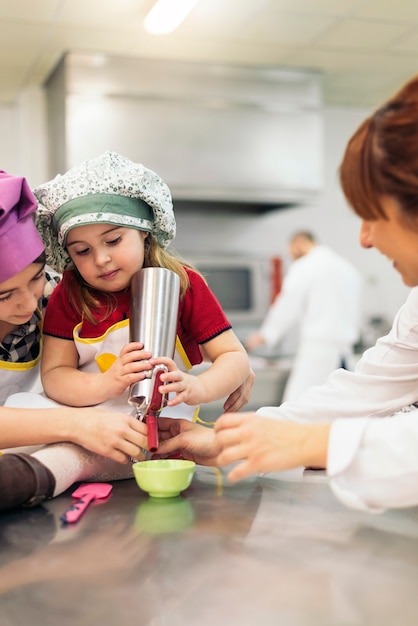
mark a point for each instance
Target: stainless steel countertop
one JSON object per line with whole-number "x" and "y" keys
{"x": 272, "y": 550}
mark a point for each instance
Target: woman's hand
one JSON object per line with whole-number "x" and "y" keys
{"x": 240, "y": 397}
{"x": 193, "y": 441}
{"x": 261, "y": 444}
{"x": 117, "y": 436}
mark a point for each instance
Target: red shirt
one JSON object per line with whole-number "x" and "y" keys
{"x": 200, "y": 318}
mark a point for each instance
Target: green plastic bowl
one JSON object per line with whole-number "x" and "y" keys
{"x": 164, "y": 478}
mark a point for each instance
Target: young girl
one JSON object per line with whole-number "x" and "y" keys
{"x": 29, "y": 476}
{"x": 103, "y": 221}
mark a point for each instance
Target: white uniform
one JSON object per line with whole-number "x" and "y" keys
{"x": 18, "y": 377}
{"x": 321, "y": 292}
{"x": 372, "y": 461}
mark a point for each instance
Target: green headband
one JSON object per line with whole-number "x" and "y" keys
{"x": 102, "y": 209}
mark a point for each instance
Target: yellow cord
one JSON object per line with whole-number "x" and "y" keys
{"x": 200, "y": 421}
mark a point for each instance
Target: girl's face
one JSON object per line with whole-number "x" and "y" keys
{"x": 19, "y": 296}
{"x": 394, "y": 238}
{"x": 106, "y": 256}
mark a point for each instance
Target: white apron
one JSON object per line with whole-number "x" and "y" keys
{"x": 17, "y": 377}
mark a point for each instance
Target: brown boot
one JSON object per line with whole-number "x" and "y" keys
{"x": 24, "y": 481}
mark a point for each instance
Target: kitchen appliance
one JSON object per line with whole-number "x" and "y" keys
{"x": 251, "y": 135}
{"x": 245, "y": 286}
{"x": 155, "y": 293}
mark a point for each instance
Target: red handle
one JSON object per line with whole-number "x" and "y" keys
{"x": 151, "y": 421}
{"x": 77, "y": 509}
{"x": 157, "y": 399}
{"x": 156, "y": 404}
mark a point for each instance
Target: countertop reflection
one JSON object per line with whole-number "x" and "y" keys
{"x": 275, "y": 549}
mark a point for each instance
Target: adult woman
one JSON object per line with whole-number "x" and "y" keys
{"x": 372, "y": 462}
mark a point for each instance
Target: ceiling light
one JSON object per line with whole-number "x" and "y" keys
{"x": 166, "y": 15}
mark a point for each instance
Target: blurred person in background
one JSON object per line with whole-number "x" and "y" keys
{"x": 322, "y": 293}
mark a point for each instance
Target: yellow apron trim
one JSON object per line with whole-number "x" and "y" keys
{"x": 21, "y": 367}
{"x": 27, "y": 365}
{"x": 180, "y": 350}
{"x": 182, "y": 354}
{"x": 87, "y": 340}
{"x": 104, "y": 361}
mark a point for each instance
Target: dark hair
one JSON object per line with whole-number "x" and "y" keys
{"x": 304, "y": 234}
{"x": 41, "y": 259}
{"x": 381, "y": 158}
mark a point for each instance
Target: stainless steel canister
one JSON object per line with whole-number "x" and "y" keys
{"x": 155, "y": 293}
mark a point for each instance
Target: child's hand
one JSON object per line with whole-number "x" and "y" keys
{"x": 117, "y": 436}
{"x": 187, "y": 387}
{"x": 127, "y": 369}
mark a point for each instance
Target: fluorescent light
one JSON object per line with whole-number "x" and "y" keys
{"x": 166, "y": 15}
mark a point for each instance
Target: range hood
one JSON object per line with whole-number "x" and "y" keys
{"x": 248, "y": 137}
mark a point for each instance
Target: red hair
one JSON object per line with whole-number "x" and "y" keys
{"x": 381, "y": 158}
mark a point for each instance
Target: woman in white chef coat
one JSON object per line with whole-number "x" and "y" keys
{"x": 362, "y": 425}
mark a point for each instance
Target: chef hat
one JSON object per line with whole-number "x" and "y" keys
{"x": 109, "y": 189}
{"x": 20, "y": 243}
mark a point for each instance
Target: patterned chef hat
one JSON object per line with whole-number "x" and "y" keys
{"x": 109, "y": 189}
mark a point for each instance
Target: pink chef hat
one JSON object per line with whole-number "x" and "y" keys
{"x": 20, "y": 242}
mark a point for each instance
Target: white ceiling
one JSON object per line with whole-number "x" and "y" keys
{"x": 365, "y": 48}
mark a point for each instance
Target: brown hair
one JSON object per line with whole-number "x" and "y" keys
{"x": 381, "y": 158}
{"x": 41, "y": 259}
{"x": 85, "y": 299}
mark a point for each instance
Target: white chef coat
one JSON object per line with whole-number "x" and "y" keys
{"x": 372, "y": 462}
{"x": 321, "y": 292}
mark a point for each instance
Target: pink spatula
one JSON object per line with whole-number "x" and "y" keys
{"x": 84, "y": 494}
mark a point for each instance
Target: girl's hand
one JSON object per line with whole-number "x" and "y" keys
{"x": 187, "y": 387}
{"x": 117, "y": 436}
{"x": 127, "y": 369}
{"x": 262, "y": 444}
{"x": 240, "y": 397}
